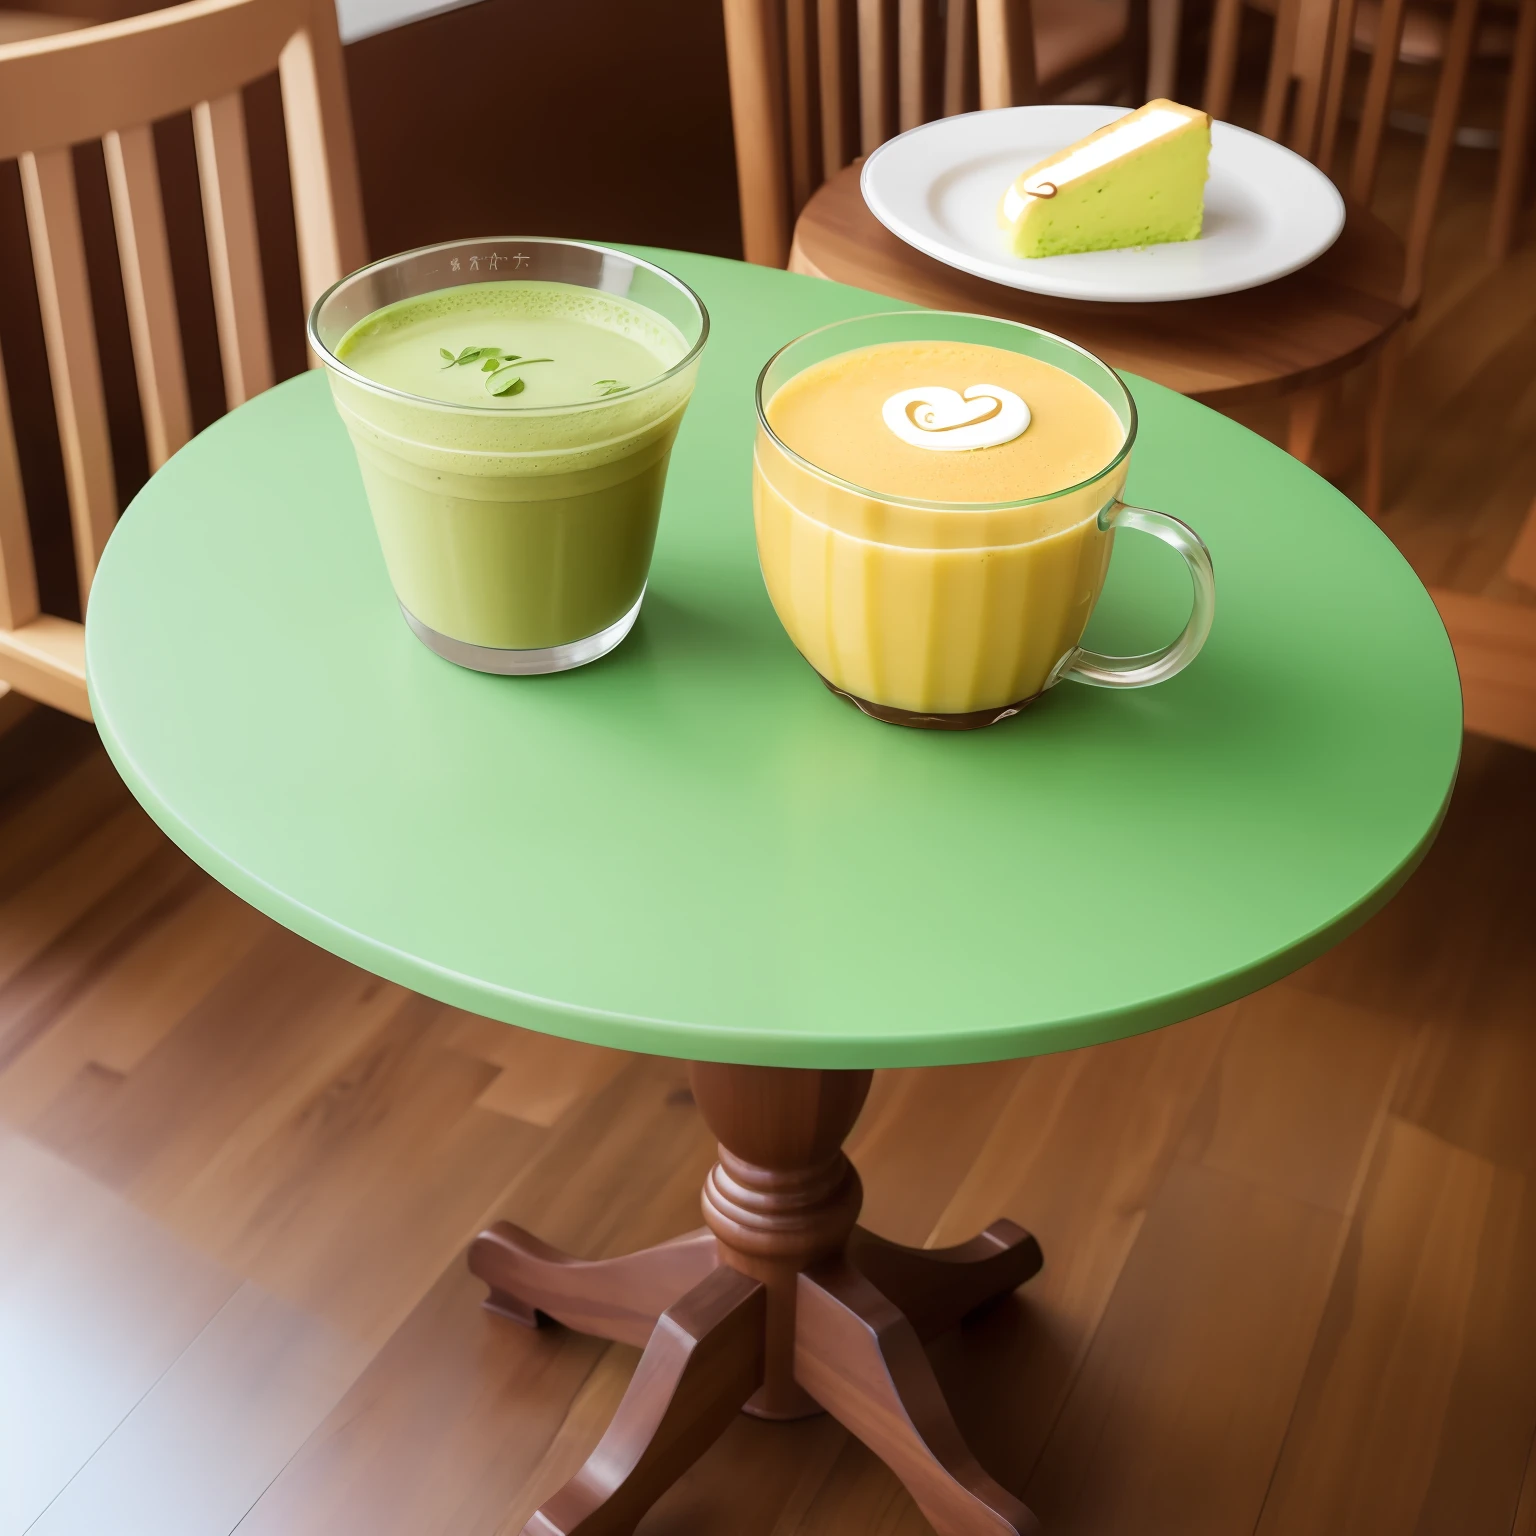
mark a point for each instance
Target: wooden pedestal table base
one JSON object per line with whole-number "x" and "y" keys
{"x": 780, "y": 1305}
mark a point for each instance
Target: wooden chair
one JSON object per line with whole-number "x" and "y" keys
{"x": 1292, "y": 339}
{"x": 1318, "y": 38}
{"x": 1424, "y": 33}
{"x": 816, "y": 82}
{"x": 111, "y": 83}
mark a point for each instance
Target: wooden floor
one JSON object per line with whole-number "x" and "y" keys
{"x": 1290, "y": 1246}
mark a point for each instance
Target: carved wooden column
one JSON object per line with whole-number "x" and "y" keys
{"x": 783, "y": 1195}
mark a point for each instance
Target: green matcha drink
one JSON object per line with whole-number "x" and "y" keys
{"x": 513, "y": 437}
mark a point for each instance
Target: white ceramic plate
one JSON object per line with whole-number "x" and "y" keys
{"x": 1267, "y": 211}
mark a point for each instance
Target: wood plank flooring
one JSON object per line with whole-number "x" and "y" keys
{"x": 1290, "y": 1246}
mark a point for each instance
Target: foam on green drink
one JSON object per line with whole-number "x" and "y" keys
{"x": 580, "y": 345}
{"x": 514, "y": 453}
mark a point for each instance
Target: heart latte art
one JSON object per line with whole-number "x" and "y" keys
{"x": 940, "y": 419}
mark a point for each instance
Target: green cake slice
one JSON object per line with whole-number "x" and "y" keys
{"x": 1138, "y": 181}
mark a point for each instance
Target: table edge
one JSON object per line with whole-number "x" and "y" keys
{"x": 749, "y": 1046}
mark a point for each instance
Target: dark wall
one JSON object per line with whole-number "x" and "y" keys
{"x": 604, "y": 118}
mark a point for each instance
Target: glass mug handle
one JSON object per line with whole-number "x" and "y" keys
{"x": 1154, "y": 666}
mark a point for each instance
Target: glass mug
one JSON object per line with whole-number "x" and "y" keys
{"x": 518, "y": 540}
{"x": 953, "y": 615}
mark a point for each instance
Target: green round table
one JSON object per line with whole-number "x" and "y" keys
{"x": 692, "y": 848}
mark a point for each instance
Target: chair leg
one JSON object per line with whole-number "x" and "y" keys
{"x": 1384, "y": 377}
{"x": 1307, "y": 407}
{"x": 861, "y": 1360}
{"x": 704, "y": 1361}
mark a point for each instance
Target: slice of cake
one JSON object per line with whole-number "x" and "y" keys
{"x": 1138, "y": 181}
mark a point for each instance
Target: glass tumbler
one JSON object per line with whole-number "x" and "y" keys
{"x": 518, "y": 540}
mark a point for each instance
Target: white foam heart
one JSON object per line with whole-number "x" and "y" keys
{"x": 937, "y": 418}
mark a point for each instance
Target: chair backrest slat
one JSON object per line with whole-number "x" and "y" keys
{"x": 1515, "y": 135}
{"x": 1282, "y": 58}
{"x": 1005, "y": 46}
{"x": 800, "y": 30}
{"x": 1164, "y": 21}
{"x": 322, "y": 161}
{"x": 1437, "y": 150}
{"x": 754, "y": 46}
{"x": 961, "y": 89}
{"x": 1338, "y": 80}
{"x": 837, "y": 61}
{"x": 1221, "y": 60}
{"x": 18, "y": 575}
{"x": 139, "y": 218}
{"x": 64, "y": 296}
{"x": 1312, "y": 53}
{"x": 229, "y": 212}
{"x": 1378, "y": 98}
{"x": 877, "y": 73}
{"x": 919, "y": 52}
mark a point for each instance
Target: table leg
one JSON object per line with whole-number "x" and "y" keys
{"x": 780, "y": 1305}
{"x": 704, "y": 1360}
{"x": 612, "y": 1298}
{"x": 860, "y": 1358}
{"x": 936, "y": 1287}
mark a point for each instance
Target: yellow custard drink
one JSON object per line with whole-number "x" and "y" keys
{"x": 513, "y": 406}
{"x": 936, "y": 498}
{"x": 944, "y": 553}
